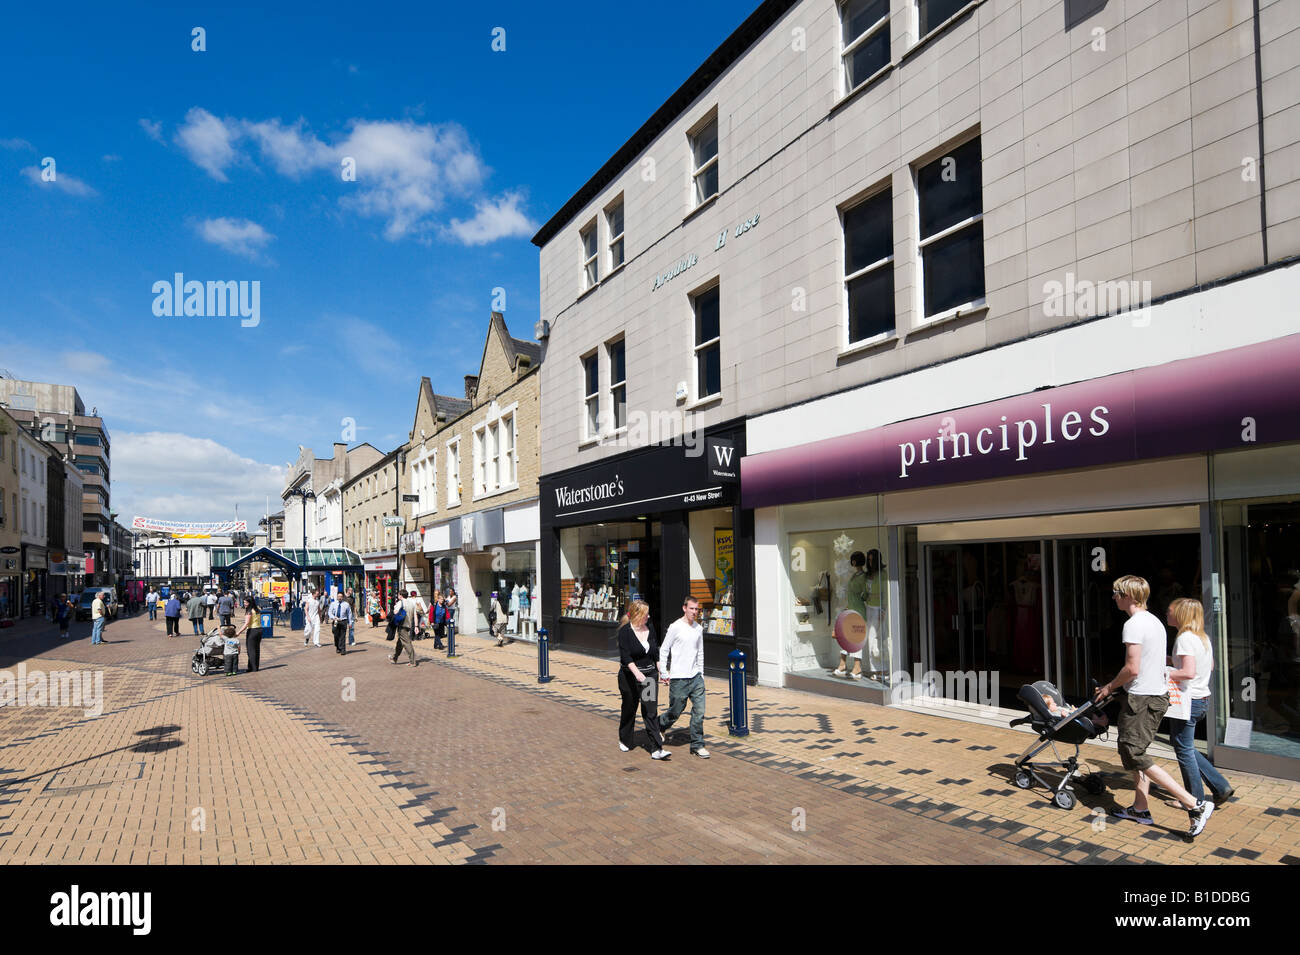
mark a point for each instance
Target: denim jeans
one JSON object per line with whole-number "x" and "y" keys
{"x": 679, "y": 691}
{"x": 97, "y": 631}
{"x": 153, "y": 611}
{"x": 1182, "y": 734}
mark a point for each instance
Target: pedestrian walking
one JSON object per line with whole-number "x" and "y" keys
{"x": 253, "y": 640}
{"x": 172, "y": 615}
{"x": 151, "y": 603}
{"x": 99, "y": 618}
{"x": 310, "y": 619}
{"x": 225, "y": 608}
{"x": 683, "y": 649}
{"x": 1144, "y": 705}
{"x": 439, "y": 611}
{"x": 638, "y": 650}
{"x": 1193, "y": 661}
{"x": 407, "y": 613}
{"x": 210, "y": 602}
{"x": 340, "y": 615}
{"x": 497, "y": 621}
{"x": 352, "y": 619}
{"x": 63, "y": 611}
{"x": 453, "y": 611}
{"x": 194, "y": 610}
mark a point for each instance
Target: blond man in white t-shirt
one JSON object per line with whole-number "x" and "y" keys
{"x": 1144, "y": 704}
{"x": 1193, "y": 661}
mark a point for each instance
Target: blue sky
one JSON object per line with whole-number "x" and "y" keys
{"x": 227, "y": 165}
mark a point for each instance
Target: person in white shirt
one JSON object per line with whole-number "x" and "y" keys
{"x": 414, "y": 608}
{"x": 311, "y": 619}
{"x": 151, "y": 603}
{"x": 1145, "y": 703}
{"x": 683, "y": 647}
{"x": 1194, "y": 662}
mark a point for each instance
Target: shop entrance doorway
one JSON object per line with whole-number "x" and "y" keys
{"x": 986, "y": 617}
{"x": 1088, "y": 625}
{"x": 1010, "y": 612}
{"x": 637, "y": 576}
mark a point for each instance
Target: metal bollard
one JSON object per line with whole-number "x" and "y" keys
{"x": 451, "y": 642}
{"x": 739, "y": 725}
{"x": 543, "y": 656}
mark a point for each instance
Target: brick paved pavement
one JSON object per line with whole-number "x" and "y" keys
{"x": 323, "y": 759}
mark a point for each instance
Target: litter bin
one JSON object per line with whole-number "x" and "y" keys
{"x": 268, "y": 620}
{"x": 297, "y": 621}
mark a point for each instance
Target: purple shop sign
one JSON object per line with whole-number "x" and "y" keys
{"x": 1228, "y": 400}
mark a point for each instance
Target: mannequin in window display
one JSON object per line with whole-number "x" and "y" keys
{"x": 875, "y": 611}
{"x": 525, "y": 614}
{"x": 857, "y": 593}
{"x": 1027, "y": 647}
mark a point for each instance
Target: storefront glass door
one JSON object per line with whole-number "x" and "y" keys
{"x": 986, "y": 613}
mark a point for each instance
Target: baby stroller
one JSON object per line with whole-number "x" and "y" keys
{"x": 1070, "y": 727}
{"x": 211, "y": 654}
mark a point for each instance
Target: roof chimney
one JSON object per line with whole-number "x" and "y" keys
{"x": 471, "y": 387}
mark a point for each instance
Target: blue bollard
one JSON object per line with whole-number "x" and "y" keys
{"x": 451, "y": 642}
{"x": 739, "y": 725}
{"x": 543, "y": 656}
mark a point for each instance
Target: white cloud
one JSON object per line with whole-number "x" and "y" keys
{"x": 111, "y": 157}
{"x": 152, "y": 129}
{"x": 238, "y": 236}
{"x": 17, "y": 144}
{"x": 179, "y": 477}
{"x": 494, "y": 219}
{"x": 406, "y": 172}
{"x": 292, "y": 150}
{"x": 208, "y": 141}
{"x": 61, "y": 181}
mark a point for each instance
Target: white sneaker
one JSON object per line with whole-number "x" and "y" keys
{"x": 701, "y": 752}
{"x": 622, "y": 748}
{"x": 840, "y": 672}
{"x": 661, "y": 754}
{"x": 1199, "y": 817}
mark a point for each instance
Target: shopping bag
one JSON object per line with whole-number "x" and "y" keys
{"x": 1180, "y": 703}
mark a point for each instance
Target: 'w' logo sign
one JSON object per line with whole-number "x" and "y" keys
{"x": 723, "y": 454}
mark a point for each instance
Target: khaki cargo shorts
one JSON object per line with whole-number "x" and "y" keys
{"x": 1139, "y": 719}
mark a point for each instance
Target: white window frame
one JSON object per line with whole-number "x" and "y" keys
{"x": 508, "y": 452}
{"x": 612, "y": 239}
{"x": 617, "y": 386}
{"x": 695, "y": 321}
{"x": 590, "y": 263}
{"x": 923, "y": 319}
{"x": 698, "y": 170}
{"x": 453, "y": 472}
{"x": 848, "y": 51}
{"x": 845, "y": 344}
{"x": 424, "y": 479}
{"x": 487, "y": 437}
{"x": 590, "y": 427}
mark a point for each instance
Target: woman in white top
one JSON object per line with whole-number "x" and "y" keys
{"x": 1193, "y": 662}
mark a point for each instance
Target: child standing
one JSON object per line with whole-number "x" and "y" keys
{"x": 232, "y": 653}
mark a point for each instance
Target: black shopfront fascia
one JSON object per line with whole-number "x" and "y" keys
{"x": 661, "y": 483}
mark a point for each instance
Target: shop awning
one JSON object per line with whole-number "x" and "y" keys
{"x": 293, "y": 560}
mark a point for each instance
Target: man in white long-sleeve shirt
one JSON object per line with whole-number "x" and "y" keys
{"x": 683, "y": 648}
{"x": 311, "y": 619}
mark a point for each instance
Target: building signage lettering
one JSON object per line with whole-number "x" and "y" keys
{"x": 569, "y": 496}
{"x": 1022, "y": 434}
{"x": 741, "y": 229}
{"x": 686, "y": 261}
{"x": 678, "y": 267}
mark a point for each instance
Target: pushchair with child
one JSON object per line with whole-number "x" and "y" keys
{"x": 1055, "y": 721}
{"x": 211, "y": 654}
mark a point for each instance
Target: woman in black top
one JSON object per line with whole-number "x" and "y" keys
{"x": 638, "y": 650}
{"x": 253, "y": 627}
